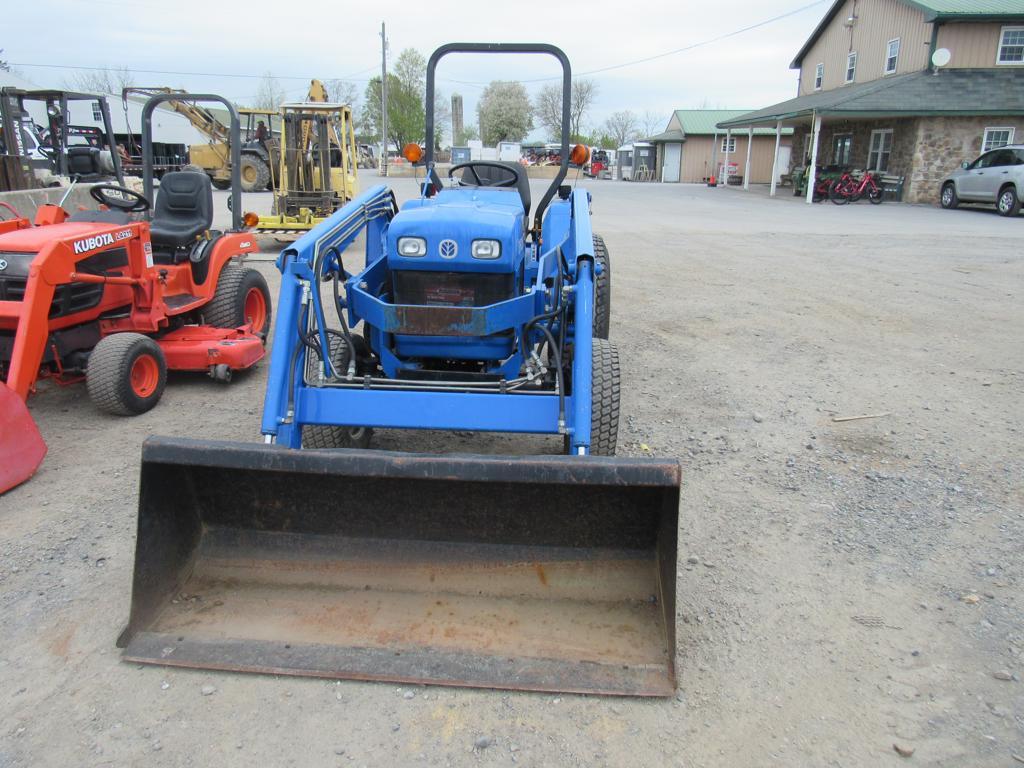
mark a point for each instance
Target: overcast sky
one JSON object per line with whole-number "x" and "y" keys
{"x": 236, "y": 43}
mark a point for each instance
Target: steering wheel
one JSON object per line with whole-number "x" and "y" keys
{"x": 511, "y": 181}
{"x": 137, "y": 204}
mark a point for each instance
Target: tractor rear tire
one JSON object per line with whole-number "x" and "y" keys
{"x": 126, "y": 374}
{"x": 254, "y": 173}
{"x": 242, "y": 296}
{"x": 602, "y": 289}
{"x": 320, "y": 436}
{"x": 604, "y": 399}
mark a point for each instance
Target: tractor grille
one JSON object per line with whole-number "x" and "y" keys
{"x": 67, "y": 299}
{"x": 451, "y": 289}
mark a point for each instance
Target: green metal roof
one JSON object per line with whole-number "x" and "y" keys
{"x": 952, "y": 8}
{"x": 953, "y": 92}
{"x": 933, "y": 10}
{"x": 704, "y": 122}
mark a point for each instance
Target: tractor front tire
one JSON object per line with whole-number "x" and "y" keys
{"x": 254, "y": 173}
{"x": 322, "y": 436}
{"x": 604, "y": 399}
{"x": 242, "y": 297}
{"x": 602, "y": 289}
{"x": 126, "y": 374}
{"x": 221, "y": 184}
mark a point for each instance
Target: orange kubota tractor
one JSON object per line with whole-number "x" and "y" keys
{"x": 100, "y": 296}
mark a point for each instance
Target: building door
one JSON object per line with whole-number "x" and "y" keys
{"x": 670, "y": 168}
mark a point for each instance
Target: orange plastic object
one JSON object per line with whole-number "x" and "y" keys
{"x": 21, "y": 446}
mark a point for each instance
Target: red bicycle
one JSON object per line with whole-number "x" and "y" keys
{"x": 849, "y": 188}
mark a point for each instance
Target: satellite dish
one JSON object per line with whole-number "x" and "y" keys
{"x": 941, "y": 57}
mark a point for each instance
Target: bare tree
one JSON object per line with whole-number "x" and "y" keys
{"x": 583, "y": 94}
{"x": 343, "y": 92}
{"x": 622, "y": 127}
{"x": 4, "y": 65}
{"x": 651, "y": 123}
{"x": 547, "y": 107}
{"x": 270, "y": 94}
{"x": 107, "y": 80}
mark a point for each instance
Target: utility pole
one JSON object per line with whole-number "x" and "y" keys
{"x": 383, "y": 100}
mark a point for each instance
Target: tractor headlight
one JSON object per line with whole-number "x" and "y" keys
{"x": 486, "y": 249}
{"x": 412, "y": 246}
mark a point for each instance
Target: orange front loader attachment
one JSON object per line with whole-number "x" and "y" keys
{"x": 21, "y": 446}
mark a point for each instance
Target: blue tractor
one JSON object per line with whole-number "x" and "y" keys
{"x": 470, "y": 309}
{"x": 479, "y": 312}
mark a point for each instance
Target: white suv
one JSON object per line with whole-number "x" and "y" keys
{"x": 996, "y": 178}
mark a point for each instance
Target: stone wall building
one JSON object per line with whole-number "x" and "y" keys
{"x": 907, "y": 89}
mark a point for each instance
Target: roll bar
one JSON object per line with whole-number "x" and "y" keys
{"x": 551, "y": 50}
{"x": 234, "y": 140}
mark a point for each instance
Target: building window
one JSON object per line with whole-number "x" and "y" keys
{"x": 996, "y": 138}
{"x": 881, "y": 149}
{"x": 842, "y": 146}
{"x": 819, "y": 76}
{"x": 729, "y": 145}
{"x": 96, "y": 113}
{"x": 851, "y": 66}
{"x": 1011, "y": 46}
{"x": 892, "y": 56}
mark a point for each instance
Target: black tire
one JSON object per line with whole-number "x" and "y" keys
{"x": 948, "y": 198}
{"x": 191, "y": 168}
{"x": 602, "y": 289}
{"x": 876, "y": 195}
{"x": 112, "y": 379}
{"x": 1008, "y": 203}
{"x": 254, "y": 173}
{"x": 227, "y": 308}
{"x": 221, "y": 183}
{"x": 604, "y": 399}
{"x": 318, "y": 436}
{"x": 835, "y": 194}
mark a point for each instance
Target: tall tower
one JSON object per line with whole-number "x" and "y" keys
{"x": 456, "y": 116}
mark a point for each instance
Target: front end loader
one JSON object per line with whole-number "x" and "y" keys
{"x": 310, "y": 555}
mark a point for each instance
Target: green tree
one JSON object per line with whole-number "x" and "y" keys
{"x": 504, "y": 112}
{"x": 464, "y": 136}
{"x": 405, "y": 112}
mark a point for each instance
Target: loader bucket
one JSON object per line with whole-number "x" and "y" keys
{"x": 21, "y": 446}
{"x": 537, "y": 573}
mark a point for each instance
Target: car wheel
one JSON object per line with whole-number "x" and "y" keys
{"x": 1009, "y": 203}
{"x": 948, "y": 198}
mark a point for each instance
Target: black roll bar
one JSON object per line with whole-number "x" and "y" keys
{"x": 234, "y": 139}
{"x": 551, "y": 50}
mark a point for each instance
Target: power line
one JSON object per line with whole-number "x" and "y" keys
{"x": 685, "y": 48}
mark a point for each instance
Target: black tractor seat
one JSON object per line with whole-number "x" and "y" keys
{"x": 183, "y": 210}
{"x": 490, "y": 176}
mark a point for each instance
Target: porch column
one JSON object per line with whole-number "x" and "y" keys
{"x": 812, "y": 170}
{"x": 775, "y": 161}
{"x": 725, "y": 174}
{"x": 746, "y": 168}
{"x": 714, "y": 158}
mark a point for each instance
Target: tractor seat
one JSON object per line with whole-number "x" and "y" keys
{"x": 183, "y": 210}
{"x": 490, "y": 175}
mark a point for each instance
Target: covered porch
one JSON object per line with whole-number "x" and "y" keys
{"x": 890, "y": 126}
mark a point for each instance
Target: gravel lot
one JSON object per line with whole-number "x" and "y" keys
{"x": 845, "y": 587}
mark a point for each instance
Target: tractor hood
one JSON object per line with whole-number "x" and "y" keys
{"x": 449, "y": 224}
